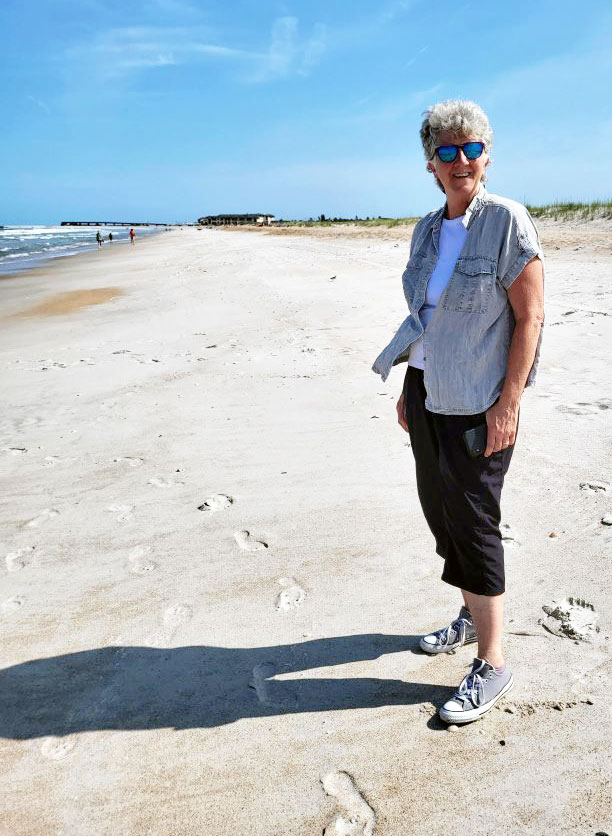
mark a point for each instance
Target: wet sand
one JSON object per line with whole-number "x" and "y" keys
{"x": 71, "y": 301}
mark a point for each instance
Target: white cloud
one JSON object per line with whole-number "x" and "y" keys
{"x": 281, "y": 53}
{"x": 120, "y": 51}
{"x": 286, "y": 55}
{"x": 314, "y": 48}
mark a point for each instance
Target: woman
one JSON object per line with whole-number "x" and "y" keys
{"x": 474, "y": 285}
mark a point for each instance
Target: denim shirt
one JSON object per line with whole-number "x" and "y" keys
{"x": 467, "y": 340}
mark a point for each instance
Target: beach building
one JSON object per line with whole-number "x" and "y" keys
{"x": 236, "y": 220}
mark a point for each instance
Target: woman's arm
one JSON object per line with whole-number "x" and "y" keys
{"x": 526, "y": 296}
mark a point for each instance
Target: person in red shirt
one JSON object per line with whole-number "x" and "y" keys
{"x": 132, "y": 235}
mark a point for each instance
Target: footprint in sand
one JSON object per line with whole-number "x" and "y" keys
{"x": 593, "y": 486}
{"x": 51, "y": 364}
{"x": 56, "y": 748}
{"x": 584, "y": 408}
{"x": 15, "y": 451}
{"x": 508, "y": 534}
{"x": 124, "y": 512}
{"x": 246, "y": 541}
{"x": 163, "y": 482}
{"x": 572, "y": 618}
{"x": 177, "y": 614}
{"x": 356, "y": 817}
{"x": 173, "y": 617}
{"x": 604, "y": 403}
{"x": 41, "y": 518}
{"x": 23, "y": 423}
{"x": 216, "y": 502}
{"x": 292, "y": 595}
{"x": 132, "y": 461}
{"x": 145, "y": 361}
{"x": 19, "y": 559}
{"x": 51, "y": 461}
{"x": 140, "y": 564}
{"x": 13, "y": 604}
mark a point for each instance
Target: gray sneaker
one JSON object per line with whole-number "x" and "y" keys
{"x": 459, "y": 632}
{"x": 478, "y": 692}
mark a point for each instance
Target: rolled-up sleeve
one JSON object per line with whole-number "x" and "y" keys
{"x": 520, "y": 245}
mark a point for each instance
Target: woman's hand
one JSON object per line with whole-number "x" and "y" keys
{"x": 401, "y": 415}
{"x": 502, "y": 421}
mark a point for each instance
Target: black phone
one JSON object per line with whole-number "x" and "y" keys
{"x": 476, "y": 440}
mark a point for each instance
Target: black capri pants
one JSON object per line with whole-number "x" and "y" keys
{"x": 460, "y": 495}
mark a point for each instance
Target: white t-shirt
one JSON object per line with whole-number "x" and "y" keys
{"x": 452, "y": 239}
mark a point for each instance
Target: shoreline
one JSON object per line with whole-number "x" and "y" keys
{"x": 43, "y": 261}
{"x": 35, "y": 284}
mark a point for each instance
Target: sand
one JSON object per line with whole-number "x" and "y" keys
{"x": 215, "y": 569}
{"x": 72, "y": 300}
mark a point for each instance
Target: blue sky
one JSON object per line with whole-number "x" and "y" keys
{"x": 169, "y": 109}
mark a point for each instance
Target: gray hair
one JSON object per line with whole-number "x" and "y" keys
{"x": 454, "y": 116}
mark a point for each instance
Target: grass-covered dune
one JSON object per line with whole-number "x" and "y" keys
{"x": 559, "y": 211}
{"x": 598, "y": 209}
{"x": 367, "y": 222}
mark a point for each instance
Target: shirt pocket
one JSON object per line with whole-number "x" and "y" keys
{"x": 471, "y": 286}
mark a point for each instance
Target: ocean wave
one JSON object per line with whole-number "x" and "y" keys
{"x": 25, "y": 246}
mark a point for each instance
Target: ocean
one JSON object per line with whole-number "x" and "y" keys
{"x": 24, "y": 247}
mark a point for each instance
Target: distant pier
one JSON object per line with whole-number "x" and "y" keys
{"x": 115, "y": 223}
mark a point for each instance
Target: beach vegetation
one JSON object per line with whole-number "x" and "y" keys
{"x": 573, "y": 211}
{"x": 558, "y": 211}
{"x": 323, "y": 220}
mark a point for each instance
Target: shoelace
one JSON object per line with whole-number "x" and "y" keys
{"x": 458, "y": 626}
{"x": 472, "y": 688}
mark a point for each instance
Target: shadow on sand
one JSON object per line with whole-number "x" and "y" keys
{"x": 192, "y": 687}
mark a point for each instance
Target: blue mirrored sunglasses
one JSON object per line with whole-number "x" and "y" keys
{"x": 448, "y": 153}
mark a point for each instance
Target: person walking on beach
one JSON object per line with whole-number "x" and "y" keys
{"x": 99, "y": 239}
{"x": 110, "y": 237}
{"x": 132, "y": 236}
{"x": 474, "y": 284}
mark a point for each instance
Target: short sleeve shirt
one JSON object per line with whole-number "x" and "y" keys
{"x": 467, "y": 339}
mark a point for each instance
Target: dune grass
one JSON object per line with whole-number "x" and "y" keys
{"x": 597, "y": 209}
{"x": 558, "y": 211}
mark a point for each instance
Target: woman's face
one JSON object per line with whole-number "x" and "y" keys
{"x": 462, "y": 177}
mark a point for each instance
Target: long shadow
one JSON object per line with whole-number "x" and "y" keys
{"x": 191, "y": 687}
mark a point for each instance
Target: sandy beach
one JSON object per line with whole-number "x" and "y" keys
{"x": 216, "y": 571}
